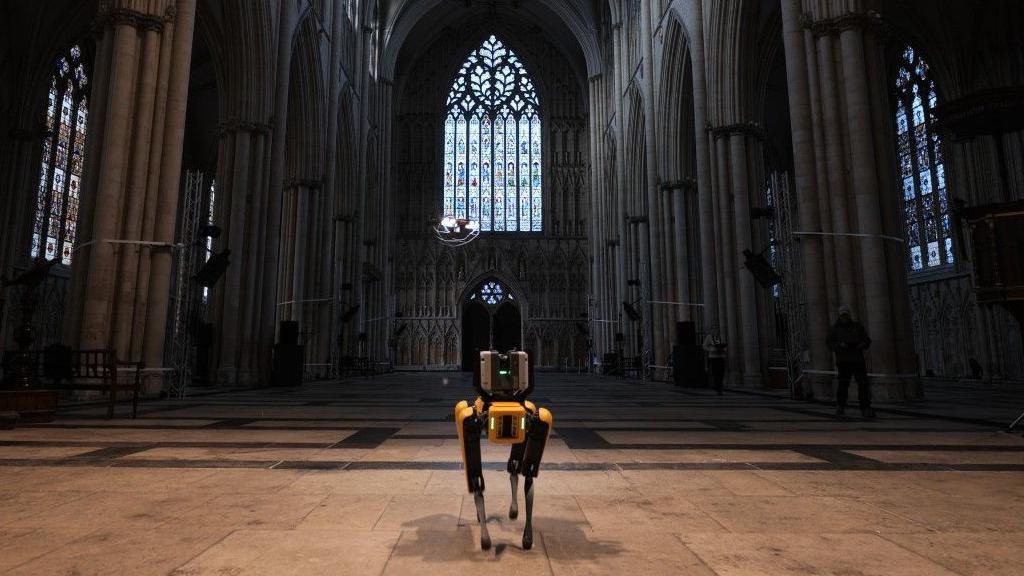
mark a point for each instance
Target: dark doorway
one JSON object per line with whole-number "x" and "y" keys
{"x": 490, "y": 318}
{"x": 507, "y": 328}
{"x": 476, "y": 333}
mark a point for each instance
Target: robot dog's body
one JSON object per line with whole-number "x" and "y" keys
{"x": 509, "y": 419}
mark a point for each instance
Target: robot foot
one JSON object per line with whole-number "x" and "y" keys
{"x": 528, "y": 540}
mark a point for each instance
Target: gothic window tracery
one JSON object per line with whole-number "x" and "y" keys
{"x": 491, "y": 293}
{"x": 492, "y": 143}
{"x": 922, "y": 167}
{"x": 60, "y": 175}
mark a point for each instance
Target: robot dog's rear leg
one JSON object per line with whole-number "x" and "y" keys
{"x": 515, "y": 467}
{"x": 537, "y": 437}
{"x": 469, "y": 432}
{"x": 481, "y": 516}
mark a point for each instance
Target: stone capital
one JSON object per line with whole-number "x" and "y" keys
{"x": 866, "y": 21}
{"x": 114, "y": 16}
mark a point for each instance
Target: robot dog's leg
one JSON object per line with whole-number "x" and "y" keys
{"x": 515, "y": 467}
{"x": 536, "y": 439}
{"x": 469, "y": 427}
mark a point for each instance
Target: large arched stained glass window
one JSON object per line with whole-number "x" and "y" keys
{"x": 492, "y": 143}
{"x": 922, "y": 169}
{"x": 60, "y": 177}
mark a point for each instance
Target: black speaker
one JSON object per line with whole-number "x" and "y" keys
{"x": 213, "y": 269}
{"x": 763, "y": 272}
{"x": 688, "y": 369}
{"x": 686, "y": 334}
{"x": 204, "y": 345}
{"x": 288, "y": 364}
{"x": 289, "y": 333}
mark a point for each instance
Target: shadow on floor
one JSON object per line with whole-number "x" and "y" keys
{"x": 423, "y": 541}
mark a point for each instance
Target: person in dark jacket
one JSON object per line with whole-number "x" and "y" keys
{"x": 848, "y": 340}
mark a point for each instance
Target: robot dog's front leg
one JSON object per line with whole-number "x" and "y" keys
{"x": 536, "y": 439}
{"x": 515, "y": 467}
{"x": 469, "y": 425}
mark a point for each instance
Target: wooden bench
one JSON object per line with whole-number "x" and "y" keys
{"x": 98, "y": 370}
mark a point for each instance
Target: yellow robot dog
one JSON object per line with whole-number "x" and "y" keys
{"x": 502, "y": 409}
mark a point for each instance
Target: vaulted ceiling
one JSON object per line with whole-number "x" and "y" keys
{"x": 411, "y": 25}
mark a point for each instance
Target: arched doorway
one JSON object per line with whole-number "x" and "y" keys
{"x": 490, "y": 319}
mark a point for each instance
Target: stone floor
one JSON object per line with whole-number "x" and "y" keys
{"x": 363, "y": 477}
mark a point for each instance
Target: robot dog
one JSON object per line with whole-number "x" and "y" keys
{"x": 509, "y": 419}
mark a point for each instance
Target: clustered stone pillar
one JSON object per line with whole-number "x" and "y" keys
{"x": 844, "y": 187}
{"x": 119, "y": 291}
{"x": 241, "y": 213}
{"x": 735, "y": 156}
{"x": 658, "y": 317}
{"x": 709, "y": 243}
{"x": 251, "y": 168}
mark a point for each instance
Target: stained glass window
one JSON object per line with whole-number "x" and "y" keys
{"x": 922, "y": 170}
{"x": 492, "y": 143}
{"x": 60, "y": 176}
{"x": 491, "y": 293}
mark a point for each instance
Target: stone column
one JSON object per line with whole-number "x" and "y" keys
{"x": 253, "y": 364}
{"x": 729, "y": 310}
{"x": 622, "y": 208}
{"x": 747, "y": 339}
{"x": 170, "y": 177}
{"x": 234, "y": 231}
{"x": 682, "y": 256}
{"x": 655, "y": 256}
{"x": 124, "y": 305}
{"x": 851, "y": 125}
{"x": 837, "y": 174}
{"x": 595, "y": 232}
{"x": 109, "y": 194}
{"x": 270, "y": 269}
{"x": 152, "y": 188}
{"x": 824, "y": 219}
{"x": 876, "y": 278}
{"x": 705, "y": 202}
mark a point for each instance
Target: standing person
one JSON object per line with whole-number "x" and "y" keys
{"x": 848, "y": 340}
{"x": 715, "y": 348}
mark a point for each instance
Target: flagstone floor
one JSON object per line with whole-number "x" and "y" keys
{"x": 364, "y": 477}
